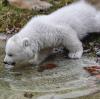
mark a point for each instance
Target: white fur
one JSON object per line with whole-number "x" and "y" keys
{"x": 66, "y": 26}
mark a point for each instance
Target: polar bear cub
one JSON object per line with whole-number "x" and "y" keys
{"x": 66, "y": 27}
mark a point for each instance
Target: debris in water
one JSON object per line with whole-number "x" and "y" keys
{"x": 28, "y": 95}
{"x": 46, "y": 66}
{"x": 93, "y": 70}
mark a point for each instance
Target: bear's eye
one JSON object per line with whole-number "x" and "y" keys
{"x": 10, "y": 55}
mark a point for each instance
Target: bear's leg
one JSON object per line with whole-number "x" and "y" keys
{"x": 74, "y": 45}
{"x": 69, "y": 39}
{"x": 41, "y": 56}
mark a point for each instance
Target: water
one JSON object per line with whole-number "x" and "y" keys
{"x": 68, "y": 80}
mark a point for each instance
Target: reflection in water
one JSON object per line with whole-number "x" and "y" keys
{"x": 68, "y": 80}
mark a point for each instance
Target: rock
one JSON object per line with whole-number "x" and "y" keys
{"x": 30, "y": 4}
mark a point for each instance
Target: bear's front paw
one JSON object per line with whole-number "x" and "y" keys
{"x": 75, "y": 55}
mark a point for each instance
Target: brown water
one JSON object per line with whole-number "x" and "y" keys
{"x": 68, "y": 80}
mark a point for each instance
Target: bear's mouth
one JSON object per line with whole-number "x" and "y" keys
{"x": 9, "y": 63}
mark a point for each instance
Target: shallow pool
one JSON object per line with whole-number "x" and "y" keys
{"x": 67, "y": 80}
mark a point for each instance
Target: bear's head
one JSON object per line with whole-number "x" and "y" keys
{"x": 18, "y": 50}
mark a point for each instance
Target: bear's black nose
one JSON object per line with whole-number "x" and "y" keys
{"x": 5, "y": 62}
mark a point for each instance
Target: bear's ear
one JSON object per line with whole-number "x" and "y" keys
{"x": 26, "y": 42}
